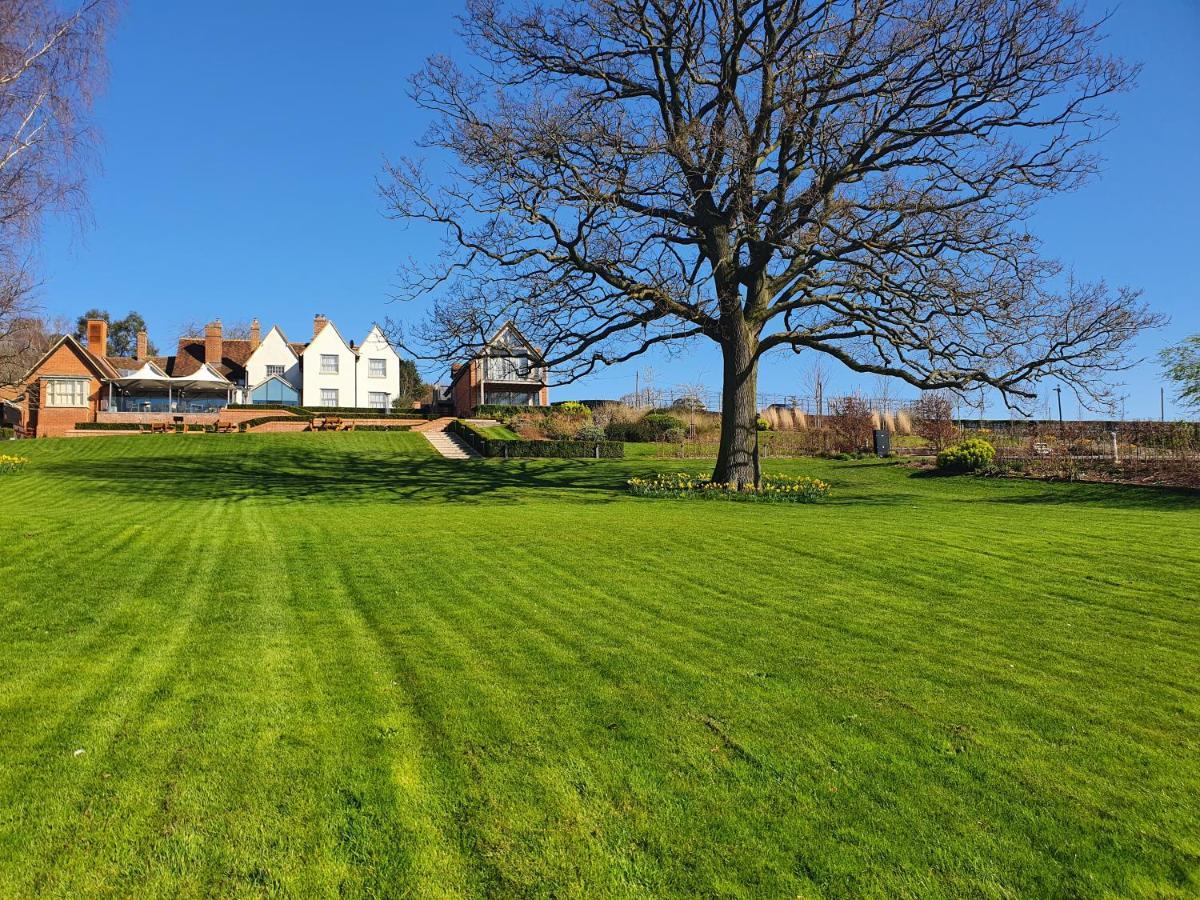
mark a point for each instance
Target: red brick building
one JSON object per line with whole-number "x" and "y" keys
{"x": 508, "y": 370}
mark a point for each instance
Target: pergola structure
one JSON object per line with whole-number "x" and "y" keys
{"x": 150, "y": 383}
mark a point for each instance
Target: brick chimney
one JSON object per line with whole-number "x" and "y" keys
{"x": 212, "y": 343}
{"x": 255, "y": 335}
{"x": 318, "y": 323}
{"x": 143, "y": 345}
{"x": 97, "y": 337}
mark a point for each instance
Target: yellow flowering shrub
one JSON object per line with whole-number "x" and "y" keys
{"x": 11, "y": 463}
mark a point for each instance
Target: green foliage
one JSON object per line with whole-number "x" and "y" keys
{"x": 654, "y": 426}
{"x": 11, "y": 463}
{"x": 591, "y": 433}
{"x": 505, "y": 411}
{"x": 412, "y": 388}
{"x": 762, "y": 424}
{"x": 6, "y": 433}
{"x": 968, "y": 456}
{"x": 1181, "y": 364}
{"x": 573, "y": 408}
{"x": 487, "y": 446}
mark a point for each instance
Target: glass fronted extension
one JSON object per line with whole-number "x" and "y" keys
{"x": 275, "y": 390}
{"x": 181, "y": 402}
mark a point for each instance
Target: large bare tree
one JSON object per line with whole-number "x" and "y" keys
{"x": 850, "y": 178}
{"x": 51, "y": 62}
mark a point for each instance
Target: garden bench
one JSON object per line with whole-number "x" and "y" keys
{"x": 317, "y": 425}
{"x": 162, "y": 427}
{"x": 344, "y": 425}
{"x": 225, "y": 427}
{"x": 333, "y": 424}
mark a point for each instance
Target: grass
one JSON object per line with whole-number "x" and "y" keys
{"x": 333, "y": 664}
{"x": 498, "y": 432}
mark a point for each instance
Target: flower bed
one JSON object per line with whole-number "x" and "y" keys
{"x": 773, "y": 488}
{"x": 9, "y": 463}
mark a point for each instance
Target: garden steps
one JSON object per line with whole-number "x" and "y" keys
{"x": 448, "y": 445}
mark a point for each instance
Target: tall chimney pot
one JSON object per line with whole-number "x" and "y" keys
{"x": 213, "y": 344}
{"x": 255, "y": 335}
{"x": 318, "y": 323}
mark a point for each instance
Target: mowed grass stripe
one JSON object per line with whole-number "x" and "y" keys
{"x": 406, "y": 675}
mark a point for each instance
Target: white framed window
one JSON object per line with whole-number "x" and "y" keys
{"x": 67, "y": 391}
{"x": 329, "y": 397}
{"x": 378, "y": 399}
{"x": 377, "y": 368}
{"x": 274, "y": 370}
{"x": 329, "y": 363}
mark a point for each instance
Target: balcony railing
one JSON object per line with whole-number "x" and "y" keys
{"x": 505, "y": 369}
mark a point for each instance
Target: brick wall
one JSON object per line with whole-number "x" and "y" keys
{"x": 466, "y": 390}
{"x": 57, "y": 421}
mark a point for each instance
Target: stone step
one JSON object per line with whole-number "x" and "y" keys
{"x": 448, "y": 445}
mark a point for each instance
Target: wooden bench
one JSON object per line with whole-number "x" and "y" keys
{"x": 225, "y": 427}
{"x": 317, "y": 425}
{"x": 162, "y": 427}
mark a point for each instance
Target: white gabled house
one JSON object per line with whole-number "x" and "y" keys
{"x": 378, "y": 375}
{"x": 328, "y": 368}
{"x": 273, "y": 371}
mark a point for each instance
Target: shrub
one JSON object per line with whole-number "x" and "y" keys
{"x": 762, "y": 424}
{"x": 590, "y": 433}
{"x": 853, "y": 422}
{"x": 6, "y": 433}
{"x": 933, "y": 418}
{"x": 772, "y": 489}
{"x": 574, "y": 409}
{"x": 560, "y": 428}
{"x": 969, "y": 456}
{"x": 674, "y": 435}
{"x": 654, "y": 426}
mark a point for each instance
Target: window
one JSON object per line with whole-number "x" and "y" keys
{"x": 274, "y": 370}
{"x": 67, "y": 391}
{"x": 329, "y": 397}
{"x": 377, "y": 368}
{"x": 377, "y": 400}
{"x": 329, "y": 364}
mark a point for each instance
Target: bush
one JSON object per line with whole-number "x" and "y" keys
{"x": 654, "y": 426}
{"x": 762, "y": 424}
{"x": 590, "y": 433}
{"x": 933, "y": 418}
{"x": 674, "y": 435}
{"x": 6, "y": 433}
{"x": 969, "y": 456}
{"x": 853, "y": 423}
{"x": 574, "y": 409}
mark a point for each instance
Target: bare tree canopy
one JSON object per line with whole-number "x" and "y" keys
{"x": 851, "y": 178}
{"x": 51, "y": 62}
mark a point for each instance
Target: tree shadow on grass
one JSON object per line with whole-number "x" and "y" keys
{"x": 1041, "y": 492}
{"x": 343, "y": 477}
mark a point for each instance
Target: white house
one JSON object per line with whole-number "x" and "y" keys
{"x": 329, "y": 368}
{"x": 273, "y": 371}
{"x": 378, "y": 372}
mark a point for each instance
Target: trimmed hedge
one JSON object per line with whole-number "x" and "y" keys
{"x": 343, "y": 412}
{"x": 508, "y": 449}
{"x": 502, "y": 410}
{"x": 108, "y": 426}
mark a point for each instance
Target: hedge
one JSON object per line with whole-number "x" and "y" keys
{"x": 6, "y": 433}
{"x": 493, "y": 447}
{"x": 503, "y": 410}
{"x": 107, "y": 426}
{"x": 344, "y": 412}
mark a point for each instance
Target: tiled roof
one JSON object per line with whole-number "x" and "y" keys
{"x": 190, "y": 357}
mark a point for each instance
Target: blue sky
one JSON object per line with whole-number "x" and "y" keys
{"x": 242, "y": 142}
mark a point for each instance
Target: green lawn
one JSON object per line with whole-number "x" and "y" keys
{"x": 498, "y": 432}
{"x": 333, "y": 664}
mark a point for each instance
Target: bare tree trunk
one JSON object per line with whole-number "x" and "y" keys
{"x": 739, "y": 411}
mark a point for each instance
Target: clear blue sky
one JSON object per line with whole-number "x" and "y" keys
{"x": 242, "y": 142}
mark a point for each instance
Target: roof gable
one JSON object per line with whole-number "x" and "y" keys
{"x": 324, "y": 340}
{"x": 98, "y": 366}
{"x": 274, "y": 338}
